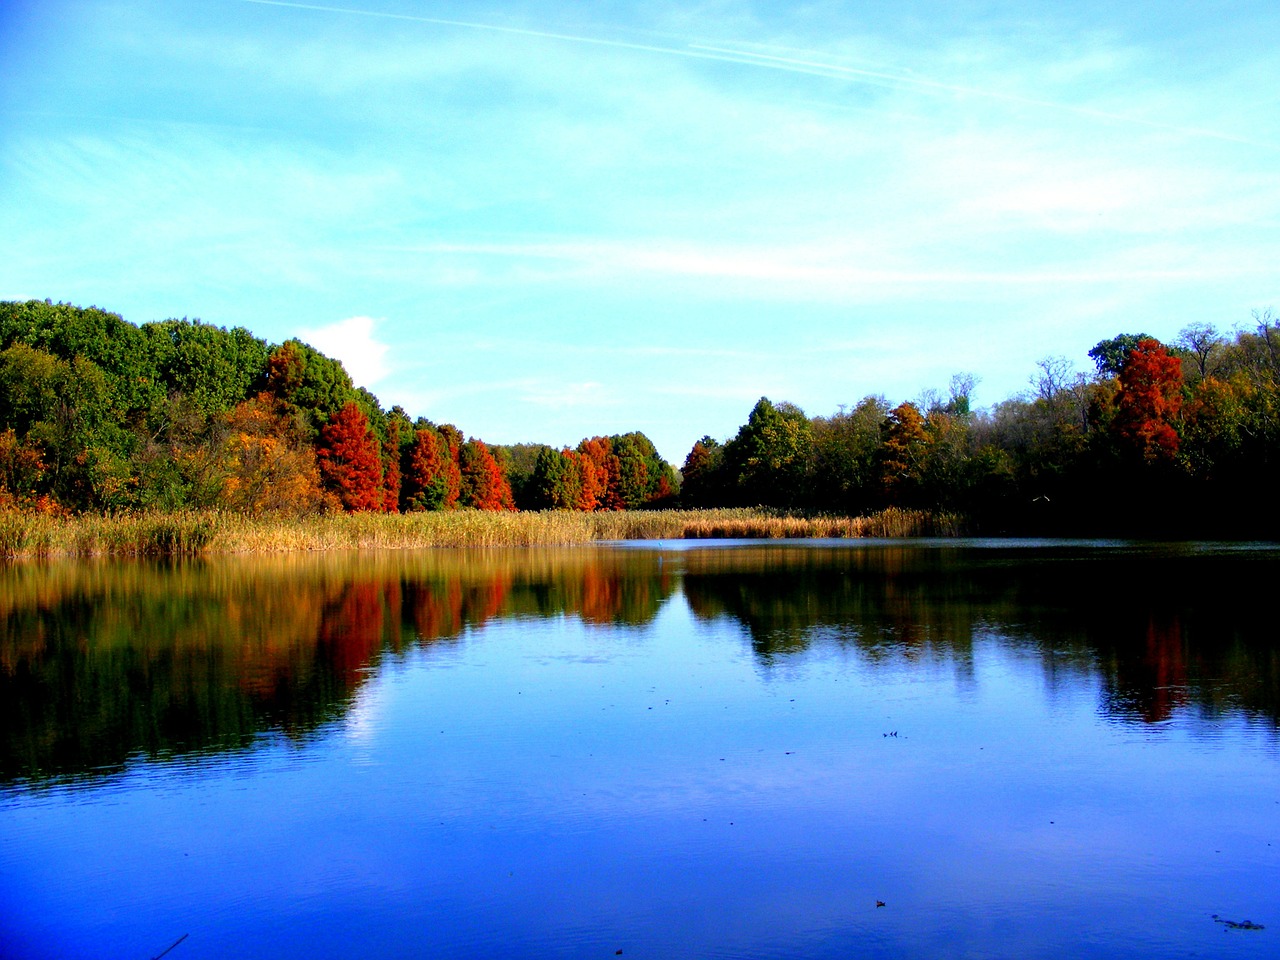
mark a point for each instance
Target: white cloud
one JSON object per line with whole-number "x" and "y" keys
{"x": 352, "y": 341}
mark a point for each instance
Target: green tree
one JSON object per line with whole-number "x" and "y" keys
{"x": 845, "y": 448}
{"x": 1110, "y": 356}
{"x": 702, "y": 479}
{"x": 213, "y": 367}
{"x": 315, "y": 385}
{"x": 769, "y": 459}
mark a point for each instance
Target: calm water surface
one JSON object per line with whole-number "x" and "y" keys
{"x": 958, "y": 749}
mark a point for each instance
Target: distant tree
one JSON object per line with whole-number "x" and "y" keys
{"x": 643, "y": 478}
{"x": 902, "y": 454}
{"x": 556, "y": 482}
{"x": 483, "y": 484}
{"x": 518, "y": 461}
{"x": 770, "y": 456}
{"x": 316, "y": 385}
{"x": 1110, "y": 356}
{"x": 257, "y": 461}
{"x": 21, "y": 470}
{"x": 213, "y": 368}
{"x": 702, "y": 482}
{"x": 114, "y": 346}
{"x": 605, "y": 472}
{"x": 592, "y": 480}
{"x": 1203, "y": 342}
{"x": 350, "y": 460}
{"x": 432, "y": 480}
{"x": 1149, "y": 400}
{"x": 845, "y": 450}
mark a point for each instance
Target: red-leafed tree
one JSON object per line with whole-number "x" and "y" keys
{"x": 1149, "y": 401}
{"x": 484, "y": 484}
{"x": 432, "y": 480}
{"x": 391, "y": 478}
{"x": 608, "y": 479}
{"x": 350, "y": 461}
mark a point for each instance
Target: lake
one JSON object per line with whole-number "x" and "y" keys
{"x": 662, "y": 750}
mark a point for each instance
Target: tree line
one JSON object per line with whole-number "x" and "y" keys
{"x": 99, "y": 414}
{"x": 1179, "y": 439}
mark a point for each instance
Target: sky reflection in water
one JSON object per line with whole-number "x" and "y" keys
{"x": 1065, "y": 751}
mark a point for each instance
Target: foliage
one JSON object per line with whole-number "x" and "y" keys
{"x": 350, "y": 460}
{"x": 308, "y": 381}
{"x": 213, "y": 368}
{"x": 1110, "y": 356}
{"x": 769, "y": 456}
{"x": 99, "y": 415}
{"x": 263, "y": 465}
{"x": 701, "y": 477}
{"x": 1148, "y": 402}
{"x": 483, "y": 484}
{"x": 902, "y": 453}
{"x": 432, "y": 480}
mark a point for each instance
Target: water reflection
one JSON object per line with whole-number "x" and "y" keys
{"x": 1163, "y": 627}
{"x": 100, "y": 662}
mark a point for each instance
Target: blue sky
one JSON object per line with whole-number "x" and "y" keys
{"x": 548, "y": 221}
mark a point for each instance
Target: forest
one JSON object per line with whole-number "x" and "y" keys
{"x": 100, "y": 415}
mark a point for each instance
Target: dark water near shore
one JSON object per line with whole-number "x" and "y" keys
{"x": 1032, "y": 749}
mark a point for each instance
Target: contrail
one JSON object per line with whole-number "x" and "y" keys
{"x": 690, "y": 53}
{"x": 818, "y": 68}
{"x": 694, "y": 51}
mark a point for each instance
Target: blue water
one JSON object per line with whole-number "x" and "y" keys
{"x": 746, "y": 761}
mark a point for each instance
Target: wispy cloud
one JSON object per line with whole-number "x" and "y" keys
{"x": 661, "y": 214}
{"x": 804, "y": 62}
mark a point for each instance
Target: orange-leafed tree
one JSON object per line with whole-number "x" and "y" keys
{"x": 1149, "y": 401}
{"x": 592, "y": 484}
{"x": 260, "y": 463}
{"x": 432, "y": 480}
{"x": 902, "y": 453}
{"x": 484, "y": 484}
{"x": 608, "y": 472}
{"x": 594, "y": 457}
{"x": 350, "y": 460}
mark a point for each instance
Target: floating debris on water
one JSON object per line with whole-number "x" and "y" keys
{"x": 1238, "y": 924}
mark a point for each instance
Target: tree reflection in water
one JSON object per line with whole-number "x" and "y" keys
{"x": 100, "y": 662}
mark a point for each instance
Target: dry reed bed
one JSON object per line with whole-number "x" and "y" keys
{"x": 187, "y": 533}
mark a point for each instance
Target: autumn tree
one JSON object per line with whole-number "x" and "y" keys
{"x": 1148, "y": 402}
{"x": 605, "y": 472}
{"x": 350, "y": 460}
{"x": 257, "y": 461}
{"x": 902, "y": 453}
{"x": 432, "y": 480}
{"x": 484, "y": 486}
{"x": 315, "y": 385}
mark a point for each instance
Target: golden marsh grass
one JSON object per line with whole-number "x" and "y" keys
{"x": 191, "y": 532}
